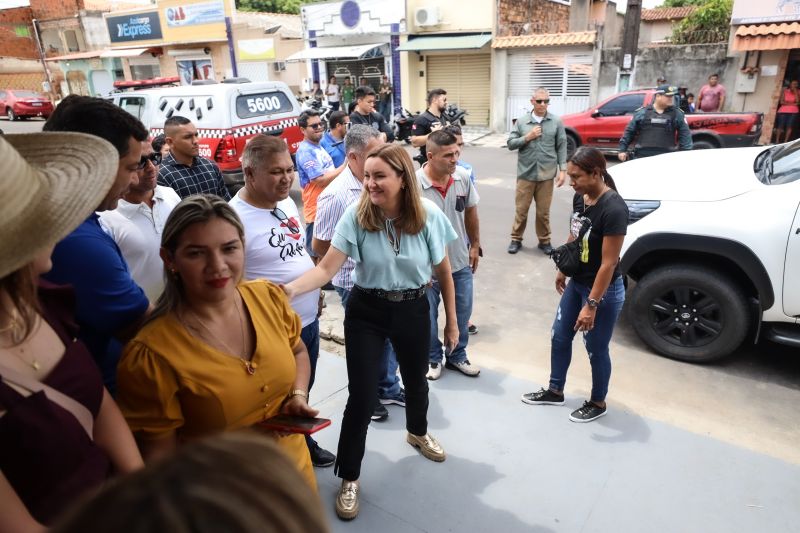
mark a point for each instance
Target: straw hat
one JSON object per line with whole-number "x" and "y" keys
{"x": 49, "y": 184}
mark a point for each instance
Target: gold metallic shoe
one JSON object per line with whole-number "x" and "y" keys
{"x": 347, "y": 500}
{"x": 429, "y": 446}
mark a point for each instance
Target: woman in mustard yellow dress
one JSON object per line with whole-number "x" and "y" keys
{"x": 218, "y": 354}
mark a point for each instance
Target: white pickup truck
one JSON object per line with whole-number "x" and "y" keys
{"x": 713, "y": 248}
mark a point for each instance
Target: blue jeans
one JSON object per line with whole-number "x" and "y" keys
{"x": 596, "y": 340}
{"x": 309, "y": 238}
{"x": 462, "y": 280}
{"x": 385, "y": 109}
{"x": 388, "y": 383}
{"x": 310, "y": 337}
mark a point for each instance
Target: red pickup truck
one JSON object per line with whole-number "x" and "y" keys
{"x": 602, "y": 126}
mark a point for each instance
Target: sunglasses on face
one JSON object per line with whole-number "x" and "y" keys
{"x": 317, "y": 126}
{"x": 542, "y": 101}
{"x": 286, "y": 221}
{"x": 154, "y": 158}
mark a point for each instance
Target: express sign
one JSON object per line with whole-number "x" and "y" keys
{"x": 134, "y": 27}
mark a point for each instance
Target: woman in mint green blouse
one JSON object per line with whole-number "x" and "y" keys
{"x": 398, "y": 241}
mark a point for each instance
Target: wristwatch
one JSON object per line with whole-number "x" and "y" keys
{"x": 592, "y": 303}
{"x": 299, "y": 392}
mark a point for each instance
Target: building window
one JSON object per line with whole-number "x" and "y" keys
{"x": 72, "y": 40}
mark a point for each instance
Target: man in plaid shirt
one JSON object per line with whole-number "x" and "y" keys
{"x": 183, "y": 169}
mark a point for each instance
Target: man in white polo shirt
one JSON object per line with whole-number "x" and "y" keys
{"x": 138, "y": 221}
{"x": 275, "y": 242}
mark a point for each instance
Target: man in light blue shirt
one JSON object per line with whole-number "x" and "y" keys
{"x": 333, "y": 139}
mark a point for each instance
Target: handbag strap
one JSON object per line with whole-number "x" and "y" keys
{"x": 77, "y": 409}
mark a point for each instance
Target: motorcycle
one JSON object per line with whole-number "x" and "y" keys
{"x": 453, "y": 114}
{"x": 403, "y": 125}
{"x": 307, "y": 103}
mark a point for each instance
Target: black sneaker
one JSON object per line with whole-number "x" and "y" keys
{"x": 587, "y": 412}
{"x": 514, "y": 247}
{"x": 380, "y": 413}
{"x": 400, "y": 399}
{"x": 320, "y": 457}
{"x": 472, "y": 329}
{"x": 546, "y": 249}
{"x": 543, "y": 397}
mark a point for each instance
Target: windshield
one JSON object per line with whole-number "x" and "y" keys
{"x": 779, "y": 165}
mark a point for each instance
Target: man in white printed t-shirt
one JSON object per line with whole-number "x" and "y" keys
{"x": 275, "y": 241}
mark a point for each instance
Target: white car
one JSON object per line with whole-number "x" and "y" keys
{"x": 714, "y": 248}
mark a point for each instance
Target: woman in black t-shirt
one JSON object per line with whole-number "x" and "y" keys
{"x": 592, "y": 300}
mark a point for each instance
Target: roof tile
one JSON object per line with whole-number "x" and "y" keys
{"x": 545, "y": 39}
{"x": 666, "y": 13}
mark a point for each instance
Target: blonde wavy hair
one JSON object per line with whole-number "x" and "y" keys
{"x": 412, "y": 212}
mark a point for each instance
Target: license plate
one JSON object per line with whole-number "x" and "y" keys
{"x": 36, "y": 104}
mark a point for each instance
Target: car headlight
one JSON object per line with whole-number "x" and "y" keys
{"x": 638, "y": 209}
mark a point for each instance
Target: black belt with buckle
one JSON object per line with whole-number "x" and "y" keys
{"x": 395, "y": 296}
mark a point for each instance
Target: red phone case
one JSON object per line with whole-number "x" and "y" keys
{"x": 294, "y": 424}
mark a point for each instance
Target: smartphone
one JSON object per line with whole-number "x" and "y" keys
{"x": 294, "y": 424}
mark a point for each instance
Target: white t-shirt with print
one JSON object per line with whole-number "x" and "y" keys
{"x": 273, "y": 252}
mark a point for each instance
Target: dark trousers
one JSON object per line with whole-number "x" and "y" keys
{"x": 368, "y": 323}
{"x": 310, "y": 337}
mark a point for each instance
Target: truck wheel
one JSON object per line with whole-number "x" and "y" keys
{"x": 572, "y": 145}
{"x": 703, "y": 145}
{"x": 689, "y": 313}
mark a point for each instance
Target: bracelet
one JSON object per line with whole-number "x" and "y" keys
{"x": 299, "y": 392}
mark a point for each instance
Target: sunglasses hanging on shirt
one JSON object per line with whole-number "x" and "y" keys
{"x": 286, "y": 221}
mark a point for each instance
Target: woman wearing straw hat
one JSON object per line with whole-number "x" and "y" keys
{"x": 61, "y": 434}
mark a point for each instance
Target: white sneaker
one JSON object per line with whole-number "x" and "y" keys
{"x": 465, "y": 367}
{"x": 434, "y": 371}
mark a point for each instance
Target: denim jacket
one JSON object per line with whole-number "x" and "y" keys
{"x": 542, "y": 158}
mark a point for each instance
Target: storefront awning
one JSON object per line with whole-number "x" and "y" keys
{"x": 77, "y": 55}
{"x": 783, "y": 36}
{"x": 333, "y": 52}
{"x": 130, "y": 52}
{"x": 445, "y": 42}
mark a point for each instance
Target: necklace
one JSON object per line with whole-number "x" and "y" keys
{"x": 393, "y": 235}
{"x": 248, "y": 365}
{"x": 587, "y": 205}
{"x": 18, "y": 350}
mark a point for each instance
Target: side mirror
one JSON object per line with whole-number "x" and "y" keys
{"x": 596, "y": 113}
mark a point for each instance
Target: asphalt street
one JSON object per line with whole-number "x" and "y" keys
{"x": 747, "y": 400}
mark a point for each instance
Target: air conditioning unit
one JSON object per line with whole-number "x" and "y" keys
{"x": 427, "y": 16}
{"x": 279, "y": 66}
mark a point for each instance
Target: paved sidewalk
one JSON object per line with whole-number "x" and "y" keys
{"x": 518, "y": 468}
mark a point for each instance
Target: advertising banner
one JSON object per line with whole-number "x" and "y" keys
{"x": 256, "y": 49}
{"x": 134, "y": 27}
{"x": 195, "y": 14}
{"x": 764, "y": 11}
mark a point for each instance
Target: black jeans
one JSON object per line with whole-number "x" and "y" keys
{"x": 368, "y": 322}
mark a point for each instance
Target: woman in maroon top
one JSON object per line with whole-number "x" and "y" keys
{"x": 49, "y": 457}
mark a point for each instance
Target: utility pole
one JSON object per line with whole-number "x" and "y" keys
{"x": 630, "y": 43}
{"x": 42, "y": 57}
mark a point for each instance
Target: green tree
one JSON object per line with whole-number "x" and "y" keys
{"x": 709, "y": 23}
{"x": 270, "y": 6}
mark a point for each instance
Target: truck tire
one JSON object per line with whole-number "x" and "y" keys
{"x": 572, "y": 145}
{"x": 689, "y": 312}
{"x": 703, "y": 144}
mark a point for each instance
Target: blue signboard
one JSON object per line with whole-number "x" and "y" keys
{"x": 134, "y": 27}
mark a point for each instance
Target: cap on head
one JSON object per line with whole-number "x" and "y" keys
{"x": 667, "y": 90}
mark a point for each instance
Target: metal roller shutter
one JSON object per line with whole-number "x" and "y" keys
{"x": 568, "y": 77}
{"x": 466, "y": 78}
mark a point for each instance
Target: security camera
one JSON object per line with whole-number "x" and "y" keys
{"x": 206, "y": 50}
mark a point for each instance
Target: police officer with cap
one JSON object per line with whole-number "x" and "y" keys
{"x": 656, "y": 127}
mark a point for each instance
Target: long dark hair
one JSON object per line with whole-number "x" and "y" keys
{"x": 591, "y": 160}
{"x": 21, "y": 288}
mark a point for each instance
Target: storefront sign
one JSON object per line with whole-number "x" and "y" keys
{"x": 195, "y": 14}
{"x": 134, "y": 27}
{"x": 256, "y": 49}
{"x": 761, "y": 11}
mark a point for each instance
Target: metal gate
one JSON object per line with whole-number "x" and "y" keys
{"x": 466, "y": 78}
{"x": 568, "y": 77}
